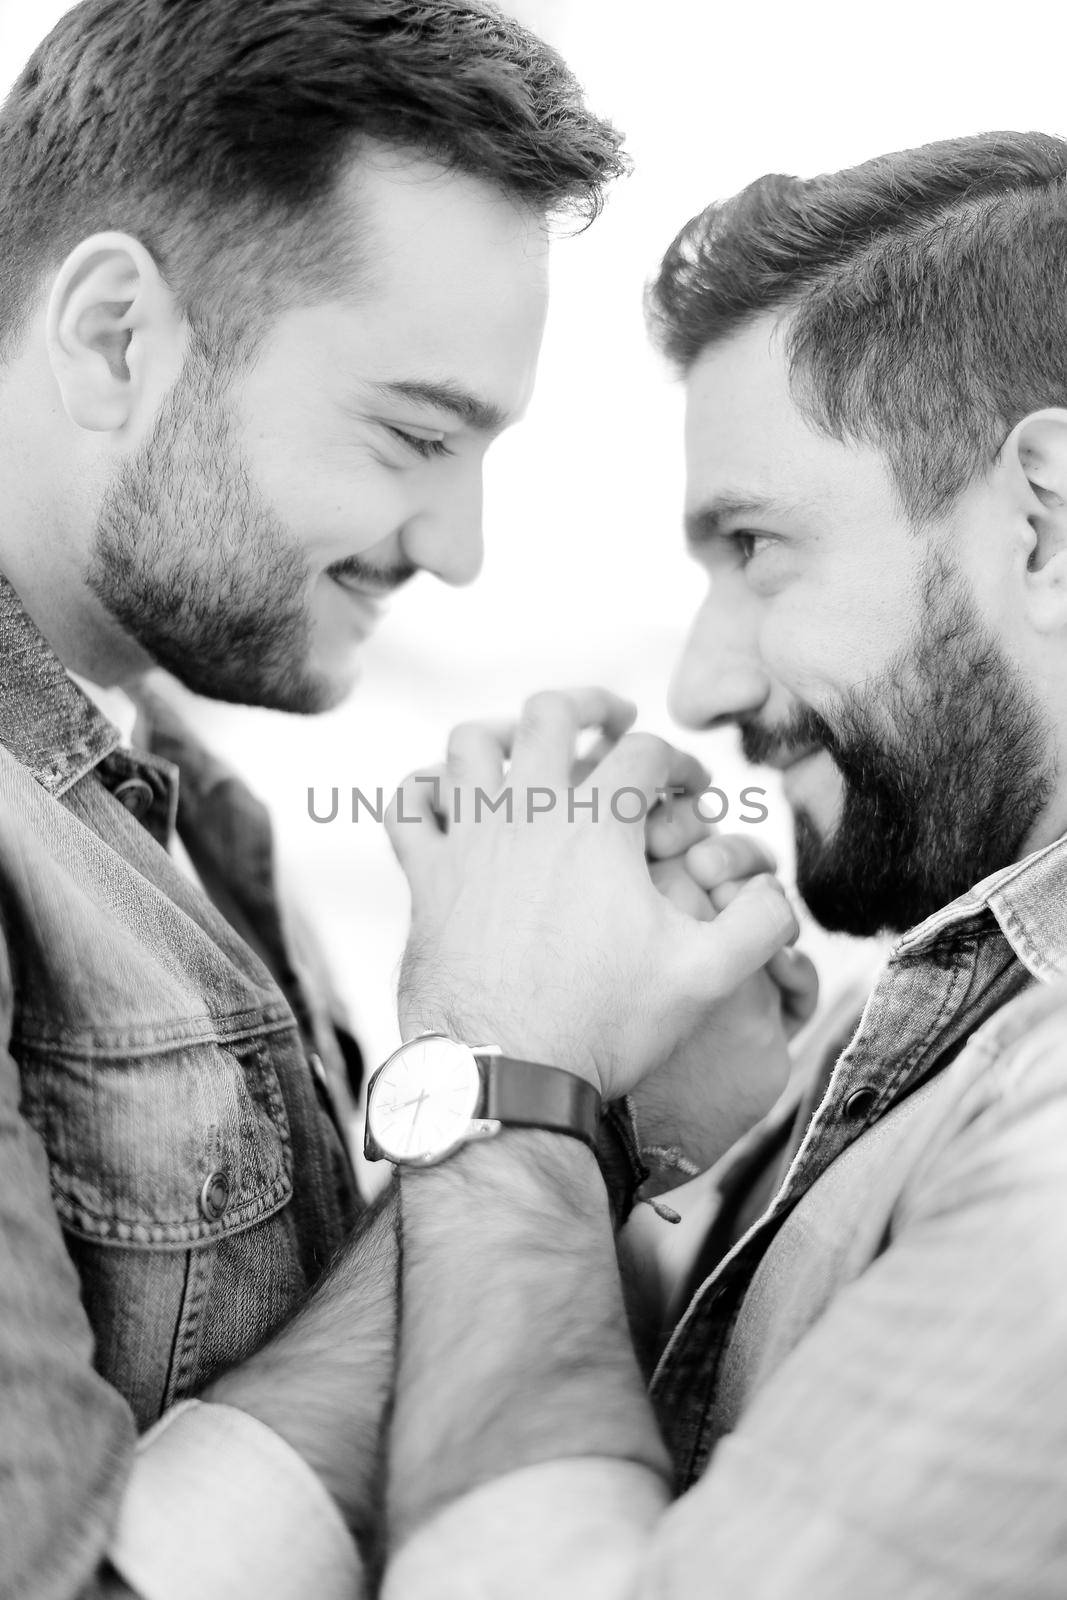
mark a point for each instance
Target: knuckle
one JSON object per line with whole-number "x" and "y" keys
{"x": 546, "y": 706}
{"x": 593, "y": 695}
{"x": 543, "y": 700}
{"x": 778, "y": 904}
{"x": 766, "y": 886}
{"x": 551, "y": 703}
{"x": 582, "y": 694}
{"x": 645, "y": 746}
{"x": 463, "y": 736}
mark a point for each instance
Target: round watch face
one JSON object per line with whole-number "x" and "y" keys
{"x": 423, "y": 1099}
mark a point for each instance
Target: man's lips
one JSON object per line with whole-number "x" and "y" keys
{"x": 371, "y": 592}
{"x": 795, "y": 757}
{"x": 782, "y": 759}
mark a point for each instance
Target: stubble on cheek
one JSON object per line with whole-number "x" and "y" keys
{"x": 192, "y": 561}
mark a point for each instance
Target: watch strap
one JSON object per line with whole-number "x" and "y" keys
{"x": 527, "y": 1094}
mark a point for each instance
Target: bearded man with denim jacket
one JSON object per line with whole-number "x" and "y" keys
{"x": 273, "y": 280}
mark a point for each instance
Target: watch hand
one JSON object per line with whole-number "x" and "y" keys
{"x": 417, "y": 1103}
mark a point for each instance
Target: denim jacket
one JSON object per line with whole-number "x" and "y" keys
{"x": 173, "y": 1177}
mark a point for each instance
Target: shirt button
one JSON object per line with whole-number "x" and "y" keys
{"x": 860, "y": 1102}
{"x": 215, "y": 1196}
{"x": 136, "y": 795}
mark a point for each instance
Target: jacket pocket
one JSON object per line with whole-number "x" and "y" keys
{"x": 164, "y": 1147}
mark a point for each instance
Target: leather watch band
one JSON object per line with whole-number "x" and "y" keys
{"x": 527, "y": 1094}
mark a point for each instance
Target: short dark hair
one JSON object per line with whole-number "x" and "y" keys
{"x": 926, "y": 294}
{"x": 208, "y": 128}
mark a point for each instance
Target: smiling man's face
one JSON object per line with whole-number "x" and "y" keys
{"x": 864, "y": 657}
{"x": 247, "y": 544}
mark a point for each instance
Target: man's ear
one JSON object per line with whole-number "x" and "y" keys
{"x": 1036, "y": 453}
{"x": 114, "y": 334}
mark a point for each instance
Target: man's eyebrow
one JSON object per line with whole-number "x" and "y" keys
{"x": 708, "y": 522}
{"x": 482, "y": 415}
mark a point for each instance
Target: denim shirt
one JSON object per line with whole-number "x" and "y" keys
{"x": 892, "y": 1403}
{"x": 940, "y": 983}
{"x": 173, "y": 1178}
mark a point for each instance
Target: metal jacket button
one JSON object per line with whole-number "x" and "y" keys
{"x": 215, "y": 1196}
{"x": 859, "y": 1103}
{"x": 136, "y": 795}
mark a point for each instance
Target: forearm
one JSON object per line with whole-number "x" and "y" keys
{"x": 271, "y": 1484}
{"x": 323, "y": 1383}
{"x": 514, "y": 1345}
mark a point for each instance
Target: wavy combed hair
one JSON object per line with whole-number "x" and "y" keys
{"x": 925, "y": 296}
{"x": 213, "y": 130}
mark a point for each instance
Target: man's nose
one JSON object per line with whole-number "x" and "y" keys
{"x": 445, "y": 537}
{"x": 719, "y": 677}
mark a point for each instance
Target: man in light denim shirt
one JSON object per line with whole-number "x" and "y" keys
{"x": 866, "y": 1392}
{"x": 274, "y": 277}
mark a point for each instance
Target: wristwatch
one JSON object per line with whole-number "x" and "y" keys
{"x": 434, "y": 1095}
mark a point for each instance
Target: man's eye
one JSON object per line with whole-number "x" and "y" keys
{"x": 421, "y": 447}
{"x": 747, "y": 545}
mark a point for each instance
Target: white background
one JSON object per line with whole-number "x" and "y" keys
{"x": 585, "y": 579}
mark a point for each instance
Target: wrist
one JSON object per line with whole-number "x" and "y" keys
{"x": 536, "y": 1166}
{"x": 260, "y": 1390}
{"x": 476, "y": 1028}
{"x": 515, "y": 1093}
{"x": 525, "y": 1177}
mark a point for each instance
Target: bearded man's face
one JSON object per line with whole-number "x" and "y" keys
{"x": 856, "y": 653}
{"x": 942, "y": 771}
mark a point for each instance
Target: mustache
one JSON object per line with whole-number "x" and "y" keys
{"x": 803, "y": 729}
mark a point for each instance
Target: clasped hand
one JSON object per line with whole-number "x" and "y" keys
{"x": 646, "y": 956}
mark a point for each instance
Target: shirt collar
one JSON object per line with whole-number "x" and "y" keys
{"x": 116, "y": 705}
{"x": 1027, "y": 899}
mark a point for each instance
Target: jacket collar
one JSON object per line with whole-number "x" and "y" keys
{"x": 46, "y": 721}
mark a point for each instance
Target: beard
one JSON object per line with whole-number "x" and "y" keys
{"x": 944, "y": 766}
{"x": 192, "y": 561}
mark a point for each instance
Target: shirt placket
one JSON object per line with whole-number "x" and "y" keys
{"x": 902, "y": 1032}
